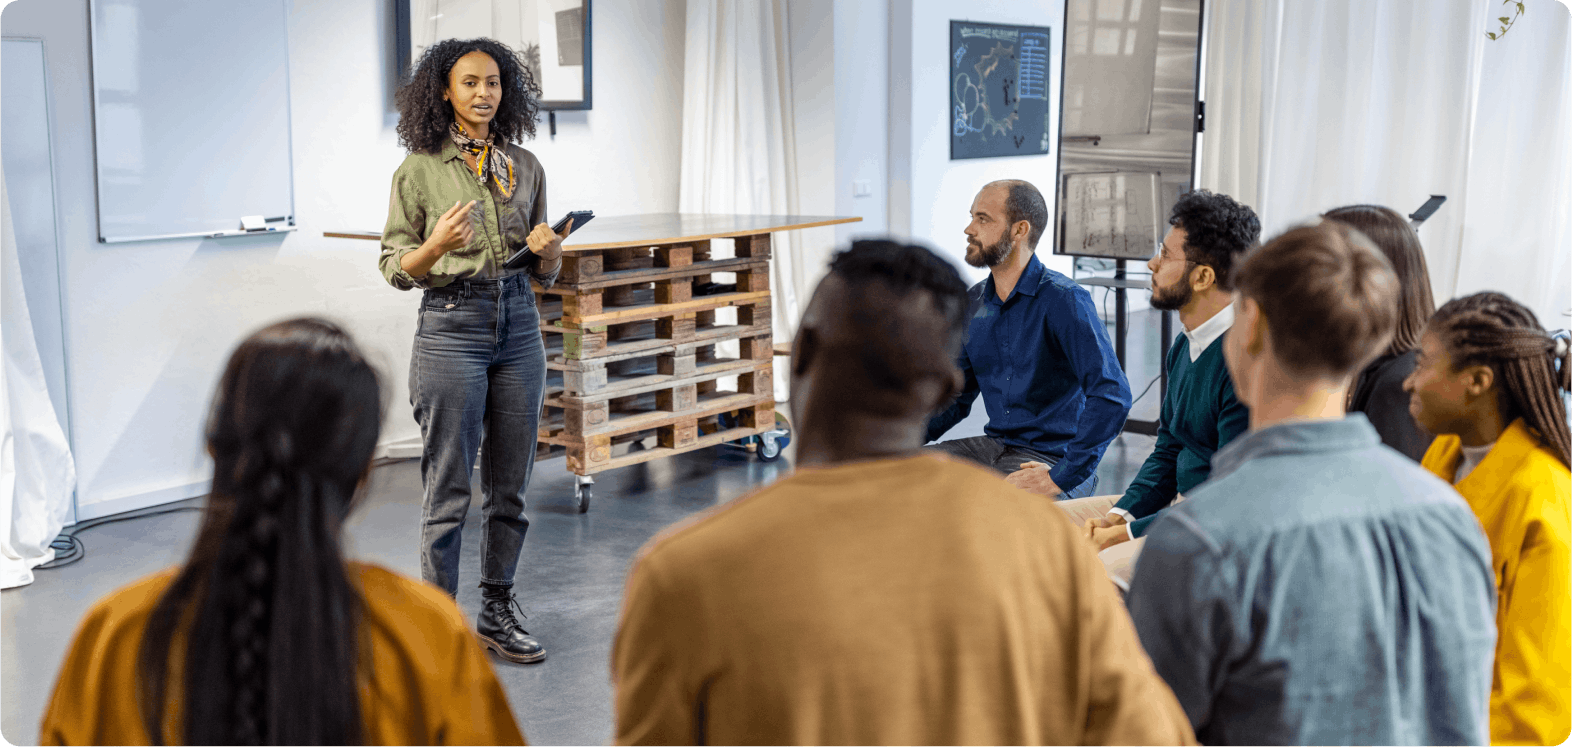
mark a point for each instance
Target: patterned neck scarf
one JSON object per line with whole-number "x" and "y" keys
{"x": 489, "y": 161}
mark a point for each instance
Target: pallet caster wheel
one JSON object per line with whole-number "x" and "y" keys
{"x": 582, "y": 491}
{"x": 769, "y": 448}
{"x": 772, "y": 443}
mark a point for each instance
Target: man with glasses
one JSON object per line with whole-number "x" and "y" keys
{"x": 1201, "y": 414}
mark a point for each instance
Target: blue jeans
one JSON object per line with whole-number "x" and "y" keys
{"x": 992, "y": 453}
{"x": 477, "y": 380}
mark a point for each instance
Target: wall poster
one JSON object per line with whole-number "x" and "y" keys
{"x": 999, "y": 88}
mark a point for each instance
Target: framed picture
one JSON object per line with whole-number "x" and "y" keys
{"x": 553, "y": 36}
{"x": 999, "y": 90}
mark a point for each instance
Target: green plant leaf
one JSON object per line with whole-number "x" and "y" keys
{"x": 1490, "y": 34}
{"x": 1503, "y": 19}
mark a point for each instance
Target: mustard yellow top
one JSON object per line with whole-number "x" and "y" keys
{"x": 430, "y": 683}
{"x": 900, "y": 601}
{"x": 1520, "y": 492}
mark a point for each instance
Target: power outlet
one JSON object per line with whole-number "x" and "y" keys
{"x": 862, "y": 188}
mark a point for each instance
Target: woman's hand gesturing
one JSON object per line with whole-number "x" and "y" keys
{"x": 453, "y": 229}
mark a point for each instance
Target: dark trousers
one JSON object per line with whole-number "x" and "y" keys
{"x": 994, "y": 454}
{"x": 477, "y": 380}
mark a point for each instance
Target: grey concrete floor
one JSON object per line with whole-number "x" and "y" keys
{"x": 569, "y": 579}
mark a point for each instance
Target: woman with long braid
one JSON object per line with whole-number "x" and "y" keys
{"x": 1488, "y": 382}
{"x": 266, "y": 635}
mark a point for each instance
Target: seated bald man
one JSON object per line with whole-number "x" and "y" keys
{"x": 883, "y": 594}
{"x": 1036, "y": 352}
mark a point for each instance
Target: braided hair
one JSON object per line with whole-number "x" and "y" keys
{"x": 1533, "y": 368}
{"x": 265, "y": 605}
{"x": 424, "y": 117}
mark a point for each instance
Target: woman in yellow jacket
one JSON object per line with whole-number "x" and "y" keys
{"x": 1489, "y": 382}
{"x": 266, "y": 635}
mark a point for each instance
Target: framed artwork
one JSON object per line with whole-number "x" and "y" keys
{"x": 999, "y": 90}
{"x": 553, "y": 37}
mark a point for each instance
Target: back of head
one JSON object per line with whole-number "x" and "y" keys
{"x": 268, "y": 611}
{"x": 1531, "y": 367}
{"x": 1218, "y": 231}
{"x": 1023, "y": 201}
{"x": 1398, "y": 241}
{"x": 1329, "y": 298}
{"x": 888, "y": 318}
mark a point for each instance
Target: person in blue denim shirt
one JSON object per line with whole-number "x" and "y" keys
{"x": 1037, "y": 353}
{"x": 1319, "y": 588}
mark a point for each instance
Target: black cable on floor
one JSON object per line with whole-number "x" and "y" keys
{"x": 1144, "y": 391}
{"x": 70, "y": 549}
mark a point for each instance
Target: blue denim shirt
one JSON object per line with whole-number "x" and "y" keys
{"x": 1046, "y": 370}
{"x": 1321, "y": 589}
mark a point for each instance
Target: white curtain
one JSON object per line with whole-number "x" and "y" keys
{"x": 37, "y": 472}
{"x": 1311, "y": 105}
{"x": 1517, "y": 225}
{"x": 738, "y": 142}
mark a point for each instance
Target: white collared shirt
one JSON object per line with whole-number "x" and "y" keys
{"x": 1200, "y": 338}
{"x": 1208, "y": 331}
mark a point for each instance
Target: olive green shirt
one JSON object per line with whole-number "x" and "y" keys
{"x": 426, "y": 185}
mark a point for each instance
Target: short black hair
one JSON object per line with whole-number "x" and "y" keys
{"x": 870, "y": 274}
{"x": 1024, "y": 202}
{"x": 1218, "y": 231}
{"x": 904, "y": 268}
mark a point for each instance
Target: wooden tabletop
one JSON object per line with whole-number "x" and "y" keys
{"x": 616, "y": 231}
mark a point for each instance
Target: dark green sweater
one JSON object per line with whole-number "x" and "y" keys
{"x": 1200, "y": 415}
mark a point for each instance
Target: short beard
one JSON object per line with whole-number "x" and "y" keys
{"x": 991, "y": 256}
{"x": 1172, "y": 297}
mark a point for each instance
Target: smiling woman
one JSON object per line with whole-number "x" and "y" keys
{"x": 464, "y": 201}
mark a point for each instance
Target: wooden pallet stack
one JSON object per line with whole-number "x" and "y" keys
{"x": 632, "y": 334}
{"x": 631, "y": 338}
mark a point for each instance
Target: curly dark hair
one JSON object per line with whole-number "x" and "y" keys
{"x": 424, "y": 117}
{"x": 1217, "y": 230}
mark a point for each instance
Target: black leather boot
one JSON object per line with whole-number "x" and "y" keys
{"x": 501, "y": 632}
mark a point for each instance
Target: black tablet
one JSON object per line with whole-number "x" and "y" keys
{"x": 520, "y": 258}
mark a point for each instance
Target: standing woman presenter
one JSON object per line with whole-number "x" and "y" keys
{"x": 464, "y": 200}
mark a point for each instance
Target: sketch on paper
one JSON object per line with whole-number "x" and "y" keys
{"x": 1111, "y": 214}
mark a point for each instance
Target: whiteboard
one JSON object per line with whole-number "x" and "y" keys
{"x": 190, "y": 116}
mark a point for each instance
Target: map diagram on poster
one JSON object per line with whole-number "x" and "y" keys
{"x": 999, "y": 88}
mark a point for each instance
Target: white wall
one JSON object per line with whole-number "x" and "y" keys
{"x": 931, "y": 195}
{"x": 812, "y": 31}
{"x": 862, "y": 115}
{"x": 149, "y": 324}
